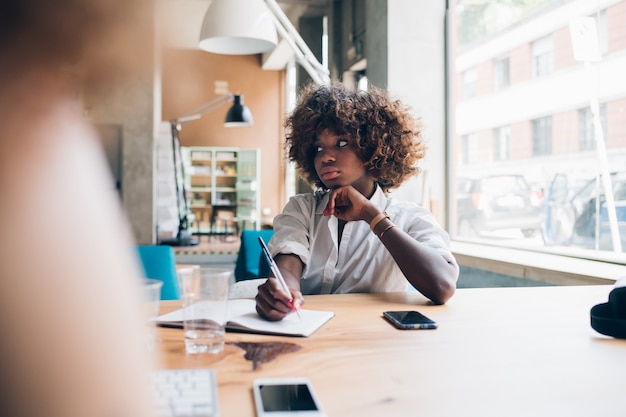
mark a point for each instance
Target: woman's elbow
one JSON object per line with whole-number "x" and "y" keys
{"x": 445, "y": 286}
{"x": 443, "y": 293}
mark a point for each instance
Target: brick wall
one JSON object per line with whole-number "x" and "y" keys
{"x": 521, "y": 140}
{"x": 520, "y": 64}
{"x": 565, "y": 128}
{"x": 616, "y": 123}
{"x": 616, "y": 22}
{"x": 562, "y": 53}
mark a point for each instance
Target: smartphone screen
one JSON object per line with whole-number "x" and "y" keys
{"x": 285, "y": 397}
{"x": 409, "y": 320}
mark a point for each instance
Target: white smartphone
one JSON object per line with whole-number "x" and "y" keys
{"x": 282, "y": 397}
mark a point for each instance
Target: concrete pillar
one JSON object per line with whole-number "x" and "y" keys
{"x": 128, "y": 99}
{"x": 405, "y": 52}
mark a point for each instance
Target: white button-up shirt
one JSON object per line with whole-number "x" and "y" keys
{"x": 361, "y": 263}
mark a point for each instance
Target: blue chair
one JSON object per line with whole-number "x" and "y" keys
{"x": 250, "y": 264}
{"x": 159, "y": 262}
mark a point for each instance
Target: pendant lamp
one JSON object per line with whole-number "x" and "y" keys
{"x": 238, "y": 115}
{"x": 238, "y": 27}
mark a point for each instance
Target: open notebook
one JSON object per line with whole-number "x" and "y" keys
{"x": 242, "y": 316}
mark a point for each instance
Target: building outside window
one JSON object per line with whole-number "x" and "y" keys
{"x": 586, "y": 130}
{"x": 469, "y": 83}
{"x": 501, "y": 73}
{"x": 469, "y": 149}
{"x": 533, "y": 123}
{"x": 542, "y": 136}
{"x": 603, "y": 32}
{"x": 542, "y": 56}
{"x": 501, "y": 142}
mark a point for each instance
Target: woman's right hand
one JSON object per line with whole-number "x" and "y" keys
{"x": 273, "y": 304}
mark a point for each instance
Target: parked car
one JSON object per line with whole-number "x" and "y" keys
{"x": 497, "y": 202}
{"x": 570, "y": 216}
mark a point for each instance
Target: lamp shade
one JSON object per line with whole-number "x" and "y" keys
{"x": 238, "y": 115}
{"x": 238, "y": 27}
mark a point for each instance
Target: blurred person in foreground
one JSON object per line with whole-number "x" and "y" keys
{"x": 69, "y": 286}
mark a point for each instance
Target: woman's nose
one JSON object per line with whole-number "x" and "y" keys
{"x": 327, "y": 155}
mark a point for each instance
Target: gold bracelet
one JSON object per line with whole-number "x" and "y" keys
{"x": 377, "y": 219}
{"x": 380, "y": 236}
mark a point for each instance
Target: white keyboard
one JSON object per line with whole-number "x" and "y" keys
{"x": 185, "y": 393}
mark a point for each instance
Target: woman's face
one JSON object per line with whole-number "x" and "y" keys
{"x": 337, "y": 164}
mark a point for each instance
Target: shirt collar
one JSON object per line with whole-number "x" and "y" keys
{"x": 379, "y": 198}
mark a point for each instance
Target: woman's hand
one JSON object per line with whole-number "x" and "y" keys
{"x": 347, "y": 203}
{"x": 273, "y": 304}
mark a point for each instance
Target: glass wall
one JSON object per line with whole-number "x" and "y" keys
{"x": 538, "y": 152}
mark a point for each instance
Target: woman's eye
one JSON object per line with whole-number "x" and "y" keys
{"x": 341, "y": 143}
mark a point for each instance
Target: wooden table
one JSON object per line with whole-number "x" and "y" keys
{"x": 497, "y": 352}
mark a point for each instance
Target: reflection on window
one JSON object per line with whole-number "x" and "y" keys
{"x": 533, "y": 125}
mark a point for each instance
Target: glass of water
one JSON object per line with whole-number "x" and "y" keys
{"x": 205, "y": 298}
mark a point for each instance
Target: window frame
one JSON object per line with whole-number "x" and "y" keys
{"x": 502, "y": 136}
{"x": 542, "y": 136}
{"x": 542, "y": 56}
{"x": 501, "y": 72}
{"x": 481, "y": 255}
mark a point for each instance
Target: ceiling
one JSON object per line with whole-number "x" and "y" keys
{"x": 180, "y": 20}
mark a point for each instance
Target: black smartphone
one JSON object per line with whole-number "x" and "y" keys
{"x": 408, "y": 320}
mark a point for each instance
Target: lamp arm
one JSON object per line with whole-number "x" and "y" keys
{"x": 200, "y": 111}
{"x": 181, "y": 191}
{"x": 304, "y": 55}
{"x": 177, "y": 158}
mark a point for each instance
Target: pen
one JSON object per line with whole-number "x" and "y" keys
{"x": 277, "y": 273}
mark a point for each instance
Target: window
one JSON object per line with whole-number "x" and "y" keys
{"x": 536, "y": 125}
{"x": 603, "y": 32}
{"x": 586, "y": 129}
{"x": 469, "y": 149}
{"x": 501, "y": 73}
{"x": 542, "y": 56}
{"x": 470, "y": 79}
{"x": 501, "y": 143}
{"x": 542, "y": 136}
{"x": 362, "y": 83}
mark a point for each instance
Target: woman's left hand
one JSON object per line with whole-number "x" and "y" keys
{"x": 346, "y": 203}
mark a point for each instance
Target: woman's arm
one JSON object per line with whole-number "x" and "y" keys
{"x": 426, "y": 269}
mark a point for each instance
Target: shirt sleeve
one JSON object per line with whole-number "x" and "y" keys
{"x": 292, "y": 228}
{"x": 424, "y": 228}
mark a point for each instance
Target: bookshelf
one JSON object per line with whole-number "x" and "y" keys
{"x": 222, "y": 191}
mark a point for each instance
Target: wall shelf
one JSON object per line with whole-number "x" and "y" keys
{"x": 221, "y": 188}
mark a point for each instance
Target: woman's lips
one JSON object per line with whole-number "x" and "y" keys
{"x": 329, "y": 174}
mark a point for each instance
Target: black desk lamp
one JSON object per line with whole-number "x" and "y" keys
{"x": 238, "y": 116}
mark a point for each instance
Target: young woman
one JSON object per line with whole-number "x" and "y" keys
{"x": 348, "y": 235}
